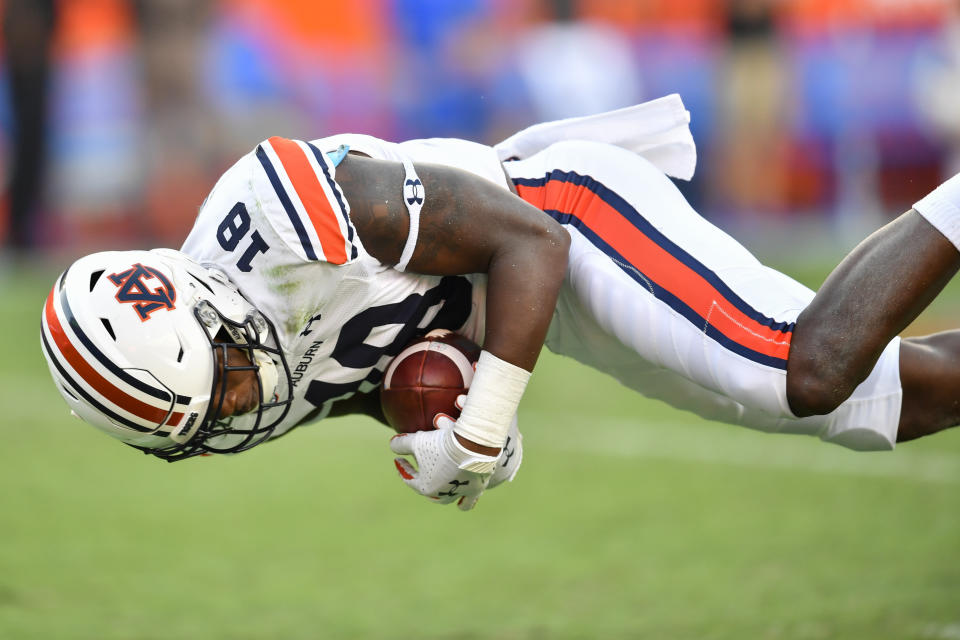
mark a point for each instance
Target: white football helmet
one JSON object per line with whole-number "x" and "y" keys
{"x": 137, "y": 344}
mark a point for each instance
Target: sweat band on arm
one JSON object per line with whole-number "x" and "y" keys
{"x": 941, "y": 208}
{"x": 413, "y": 197}
{"x": 492, "y": 401}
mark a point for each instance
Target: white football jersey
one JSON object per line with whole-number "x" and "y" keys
{"x": 279, "y": 226}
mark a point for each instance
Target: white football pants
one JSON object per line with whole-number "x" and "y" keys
{"x": 676, "y": 309}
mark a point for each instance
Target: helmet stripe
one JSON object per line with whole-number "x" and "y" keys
{"x": 80, "y": 391}
{"x": 103, "y": 386}
{"x": 160, "y": 394}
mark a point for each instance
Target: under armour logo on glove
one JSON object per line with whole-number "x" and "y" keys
{"x": 510, "y": 459}
{"x": 507, "y": 452}
{"x": 455, "y": 484}
{"x": 412, "y": 191}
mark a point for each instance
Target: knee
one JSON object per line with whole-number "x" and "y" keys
{"x": 816, "y": 384}
{"x": 810, "y": 396}
{"x": 825, "y": 365}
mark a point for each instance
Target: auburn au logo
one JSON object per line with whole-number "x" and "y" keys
{"x": 133, "y": 290}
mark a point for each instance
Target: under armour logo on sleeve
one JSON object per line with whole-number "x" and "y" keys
{"x": 413, "y": 191}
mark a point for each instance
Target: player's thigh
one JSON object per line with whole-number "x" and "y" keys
{"x": 611, "y": 324}
{"x": 576, "y": 333}
{"x": 674, "y": 289}
{"x": 620, "y": 321}
{"x": 676, "y": 308}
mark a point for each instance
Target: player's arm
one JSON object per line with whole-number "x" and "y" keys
{"x": 468, "y": 225}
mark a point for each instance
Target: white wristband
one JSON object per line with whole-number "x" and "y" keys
{"x": 492, "y": 401}
{"x": 941, "y": 208}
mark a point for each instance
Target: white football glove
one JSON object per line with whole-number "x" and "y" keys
{"x": 443, "y": 466}
{"x": 510, "y": 458}
{"x": 508, "y": 463}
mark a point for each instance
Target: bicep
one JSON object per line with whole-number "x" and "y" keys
{"x": 468, "y": 225}
{"x": 465, "y": 219}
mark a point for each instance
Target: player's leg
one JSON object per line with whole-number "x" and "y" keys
{"x": 649, "y": 271}
{"x": 930, "y": 374}
{"x": 675, "y": 308}
{"x": 870, "y": 297}
{"x": 873, "y": 294}
{"x": 578, "y": 331}
{"x": 605, "y": 320}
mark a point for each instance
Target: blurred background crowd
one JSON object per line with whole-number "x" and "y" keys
{"x": 117, "y": 116}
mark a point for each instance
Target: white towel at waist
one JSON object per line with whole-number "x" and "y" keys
{"x": 658, "y": 130}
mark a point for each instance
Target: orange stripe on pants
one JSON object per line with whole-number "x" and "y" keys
{"x": 657, "y": 264}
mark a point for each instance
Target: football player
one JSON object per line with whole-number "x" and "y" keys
{"x": 312, "y": 263}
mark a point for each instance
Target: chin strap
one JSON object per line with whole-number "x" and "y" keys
{"x": 269, "y": 377}
{"x": 266, "y": 368}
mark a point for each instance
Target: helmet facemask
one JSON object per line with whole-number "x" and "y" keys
{"x": 253, "y": 336}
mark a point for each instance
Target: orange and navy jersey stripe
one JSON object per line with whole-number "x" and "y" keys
{"x": 311, "y": 199}
{"x": 673, "y": 275}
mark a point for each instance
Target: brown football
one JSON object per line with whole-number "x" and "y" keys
{"x": 426, "y": 378}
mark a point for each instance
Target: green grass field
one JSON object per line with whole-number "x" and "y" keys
{"x": 627, "y": 520}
